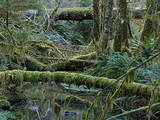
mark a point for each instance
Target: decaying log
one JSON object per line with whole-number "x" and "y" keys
{"x": 86, "y": 13}
{"x": 19, "y": 76}
{"x": 76, "y": 63}
{"x": 66, "y": 59}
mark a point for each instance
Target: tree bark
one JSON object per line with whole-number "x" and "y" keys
{"x": 96, "y": 20}
{"x": 107, "y": 25}
{"x": 122, "y": 27}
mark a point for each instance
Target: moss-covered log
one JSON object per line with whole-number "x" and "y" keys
{"x": 17, "y": 76}
{"x": 33, "y": 64}
{"x": 86, "y": 13}
{"x": 72, "y": 65}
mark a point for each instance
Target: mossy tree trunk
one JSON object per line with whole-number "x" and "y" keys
{"x": 96, "y": 20}
{"x": 151, "y": 23}
{"x": 108, "y": 25}
{"x": 148, "y": 25}
{"x": 121, "y": 37}
{"x": 157, "y": 28}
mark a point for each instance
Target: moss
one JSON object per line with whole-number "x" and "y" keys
{"x": 34, "y": 64}
{"x": 32, "y": 76}
{"x": 89, "y": 56}
{"x": 4, "y": 104}
{"x": 79, "y": 79}
{"x": 61, "y": 65}
{"x": 12, "y": 79}
{"x": 75, "y": 13}
{"x": 16, "y": 66}
{"x": 2, "y": 77}
{"x": 45, "y": 77}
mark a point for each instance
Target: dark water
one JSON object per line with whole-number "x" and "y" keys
{"x": 41, "y": 102}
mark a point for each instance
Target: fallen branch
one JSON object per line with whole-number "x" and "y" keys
{"x": 132, "y": 111}
{"x": 66, "y": 59}
{"x": 77, "y": 63}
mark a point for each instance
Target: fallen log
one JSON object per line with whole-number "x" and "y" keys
{"x": 67, "y": 59}
{"x": 86, "y": 13}
{"x": 17, "y": 77}
{"x": 35, "y": 65}
{"x": 72, "y": 65}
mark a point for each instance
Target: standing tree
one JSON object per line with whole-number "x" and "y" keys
{"x": 122, "y": 26}
{"x": 96, "y": 20}
{"x": 108, "y": 24}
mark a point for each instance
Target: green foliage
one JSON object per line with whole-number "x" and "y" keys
{"x": 112, "y": 66}
{"x": 6, "y": 115}
{"x": 3, "y": 62}
{"x": 150, "y": 72}
{"x": 84, "y": 28}
{"x": 85, "y": 3}
{"x": 63, "y": 33}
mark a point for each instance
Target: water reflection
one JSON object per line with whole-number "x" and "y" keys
{"x": 46, "y": 102}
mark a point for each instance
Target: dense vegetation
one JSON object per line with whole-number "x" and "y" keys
{"x": 102, "y": 55}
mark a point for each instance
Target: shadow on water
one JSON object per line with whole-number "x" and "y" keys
{"x": 46, "y": 102}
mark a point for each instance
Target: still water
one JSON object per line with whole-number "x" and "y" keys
{"x": 46, "y": 102}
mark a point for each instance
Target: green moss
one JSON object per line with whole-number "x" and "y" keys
{"x": 77, "y": 79}
{"x": 61, "y": 65}
{"x": 75, "y": 11}
{"x": 89, "y": 56}
{"x": 32, "y": 76}
{"x": 2, "y": 77}
{"x": 12, "y": 79}
{"x": 34, "y": 64}
{"x": 45, "y": 77}
{"x": 4, "y": 104}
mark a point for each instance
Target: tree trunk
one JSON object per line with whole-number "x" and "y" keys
{"x": 96, "y": 20}
{"x": 107, "y": 25}
{"x": 122, "y": 27}
{"x": 148, "y": 26}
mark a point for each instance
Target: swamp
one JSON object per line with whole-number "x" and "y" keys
{"x": 79, "y": 59}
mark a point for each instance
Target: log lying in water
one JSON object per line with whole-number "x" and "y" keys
{"x": 86, "y": 13}
{"x": 17, "y": 77}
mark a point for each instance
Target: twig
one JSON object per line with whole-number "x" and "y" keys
{"x": 132, "y": 111}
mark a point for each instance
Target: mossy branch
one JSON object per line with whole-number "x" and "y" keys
{"x": 76, "y": 63}
{"x": 133, "y": 111}
{"x": 67, "y": 59}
